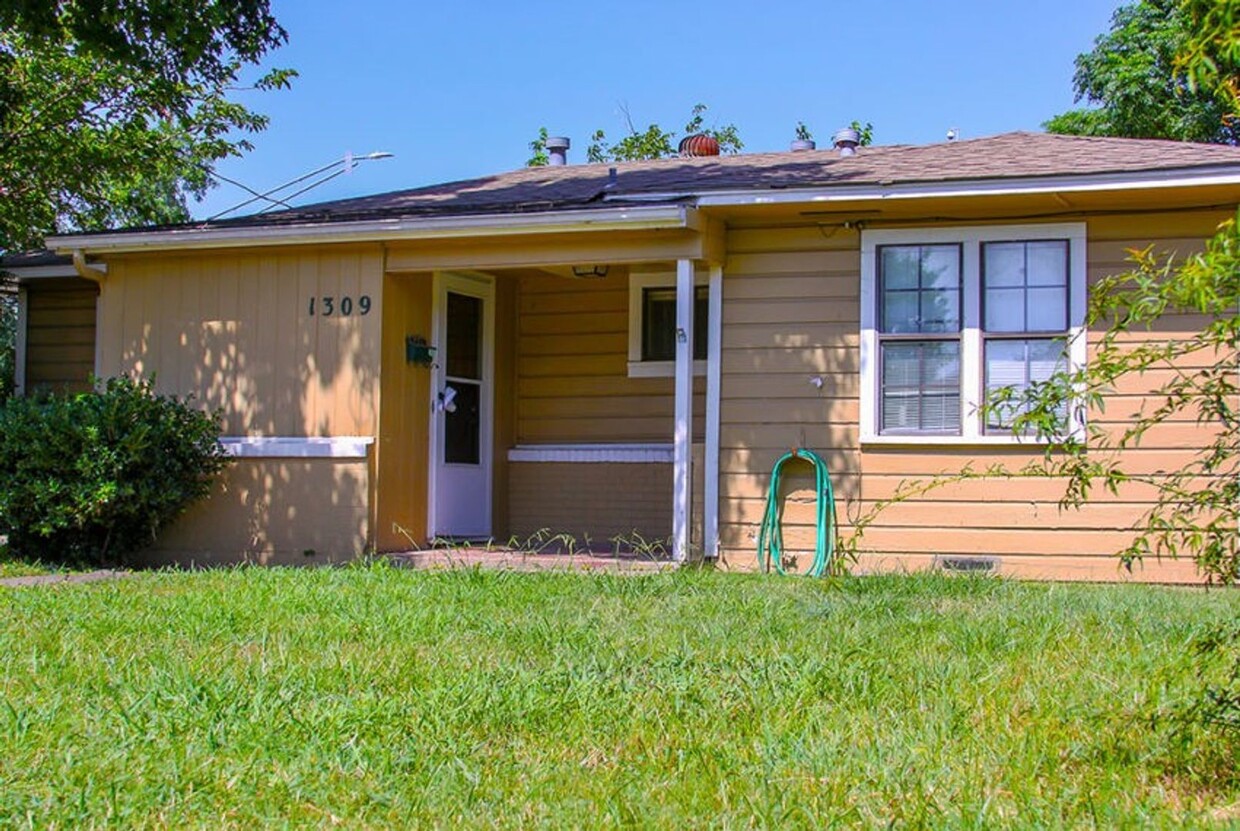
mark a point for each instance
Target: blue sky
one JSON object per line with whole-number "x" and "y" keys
{"x": 458, "y": 89}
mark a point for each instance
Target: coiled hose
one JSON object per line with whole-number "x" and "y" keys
{"x": 771, "y": 535}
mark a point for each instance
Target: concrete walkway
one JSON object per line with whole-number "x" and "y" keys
{"x": 73, "y": 577}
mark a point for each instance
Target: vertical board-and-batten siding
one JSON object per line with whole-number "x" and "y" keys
{"x": 234, "y": 330}
{"x": 60, "y": 335}
{"x": 791, "y": 313}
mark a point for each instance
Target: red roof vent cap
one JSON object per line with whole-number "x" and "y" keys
{"x": 699, "y": 144}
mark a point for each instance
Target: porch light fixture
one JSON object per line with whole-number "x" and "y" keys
{"x": 590, "y": 271}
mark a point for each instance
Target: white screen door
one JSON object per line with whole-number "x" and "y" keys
{"x": 462, "y": 406}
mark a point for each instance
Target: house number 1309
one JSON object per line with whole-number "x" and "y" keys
{"x": 329, "y": 305}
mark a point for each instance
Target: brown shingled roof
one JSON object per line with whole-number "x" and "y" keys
{"x": 1006, "y": 156}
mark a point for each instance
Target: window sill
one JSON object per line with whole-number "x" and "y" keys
{"x": 660, "y": 369}
{"x": 954, "y": 441}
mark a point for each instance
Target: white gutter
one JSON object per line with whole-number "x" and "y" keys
{"x": 628, "y": 218}
{"x": 1099, "y": 182}
{"x": 85, "y": 270}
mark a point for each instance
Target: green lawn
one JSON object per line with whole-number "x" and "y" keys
{"x": 376, "y": 697}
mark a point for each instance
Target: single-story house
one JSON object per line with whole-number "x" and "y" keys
{"x": 622, "y": 351}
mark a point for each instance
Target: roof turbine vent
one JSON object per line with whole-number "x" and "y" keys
{"x": 557, "y": 150}
{"x": 846, "y": 141}
{"x": 699, "y": 144}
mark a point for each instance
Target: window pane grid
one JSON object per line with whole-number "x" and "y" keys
{"x": 930, "y": 369}
{"x": 920, "y": 387}
{"x": 1018, "y": 363}
{"x": 1025, "y": 286}
{"x": 919, "y": 288}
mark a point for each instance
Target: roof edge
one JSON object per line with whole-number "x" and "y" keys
{"x": 628, "y": 217}
{"x": 1224, "y": 174}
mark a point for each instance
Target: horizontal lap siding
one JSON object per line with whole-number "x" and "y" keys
{"x": 572, "y": 367}
{"x": 792, "y": 313}
{"x": 60, "y": 335}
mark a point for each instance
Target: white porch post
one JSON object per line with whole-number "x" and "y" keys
{"x": 682, "y": 473}
{"x": 714, "y": 349}
{"x": 23, "y": 324}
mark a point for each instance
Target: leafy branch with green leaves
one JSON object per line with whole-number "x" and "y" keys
{"x": 651, "y": 143}
{"x": 115, "y": 112}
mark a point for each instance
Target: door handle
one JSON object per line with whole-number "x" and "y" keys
{"x": 446, "y": 402}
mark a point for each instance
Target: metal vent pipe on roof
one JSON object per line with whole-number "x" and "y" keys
{"x": 846, "y": 141}
{"x": 557, "y": 150}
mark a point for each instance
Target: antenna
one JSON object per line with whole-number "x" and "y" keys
{"x": 344, "y": 165}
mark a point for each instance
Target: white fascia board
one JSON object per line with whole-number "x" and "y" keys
{"x": 1221, "y": 175}
{"x": 628, "y": 218}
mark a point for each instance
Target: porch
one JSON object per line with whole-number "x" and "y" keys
{"x": 552, "y": 390}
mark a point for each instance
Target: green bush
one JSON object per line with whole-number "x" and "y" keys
{"x": 93, "y": 477}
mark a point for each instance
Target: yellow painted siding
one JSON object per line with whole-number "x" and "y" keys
{"x": 791, "y": 311}
{"x": 601, "y": 505}
{"x": 234, "y": 330}
{"x": 572, "y": 381}
{"x": 402, "y": 451}
{"x": 275, "y": 511}
{"x": 60, "y": 335}
{"x": 592, "y": 502}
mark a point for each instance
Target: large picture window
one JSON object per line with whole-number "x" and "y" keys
{"x": 951, "y": 315}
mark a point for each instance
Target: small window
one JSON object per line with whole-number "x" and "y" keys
{"x": 919, "y": 339}
{"x": 659, "y": 324}
{"x": 652, "y": 324}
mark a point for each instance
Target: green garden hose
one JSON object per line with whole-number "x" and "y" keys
{"x": 771, "y": 535}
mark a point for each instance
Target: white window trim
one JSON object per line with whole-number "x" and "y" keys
{"x": 638, "y": 282}
{"x": 971, "y": 371}
{"x": 297, "y": 447}
{"x": 639, "y": 453}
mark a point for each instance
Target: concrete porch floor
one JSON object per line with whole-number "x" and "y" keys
{"x": 521, "y": 560}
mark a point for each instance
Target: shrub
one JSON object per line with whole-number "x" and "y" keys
{"x": 93, "y": 477}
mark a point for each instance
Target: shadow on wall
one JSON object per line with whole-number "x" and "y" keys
{"x": 275, "y": 512}
{"x": 772, "y": 404}
{"x": 237, "y": 333}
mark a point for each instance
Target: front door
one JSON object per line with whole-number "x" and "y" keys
{"x": 462, "y": 405}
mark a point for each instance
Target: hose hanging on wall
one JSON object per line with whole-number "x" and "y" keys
{"x": 771, "y": 535}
